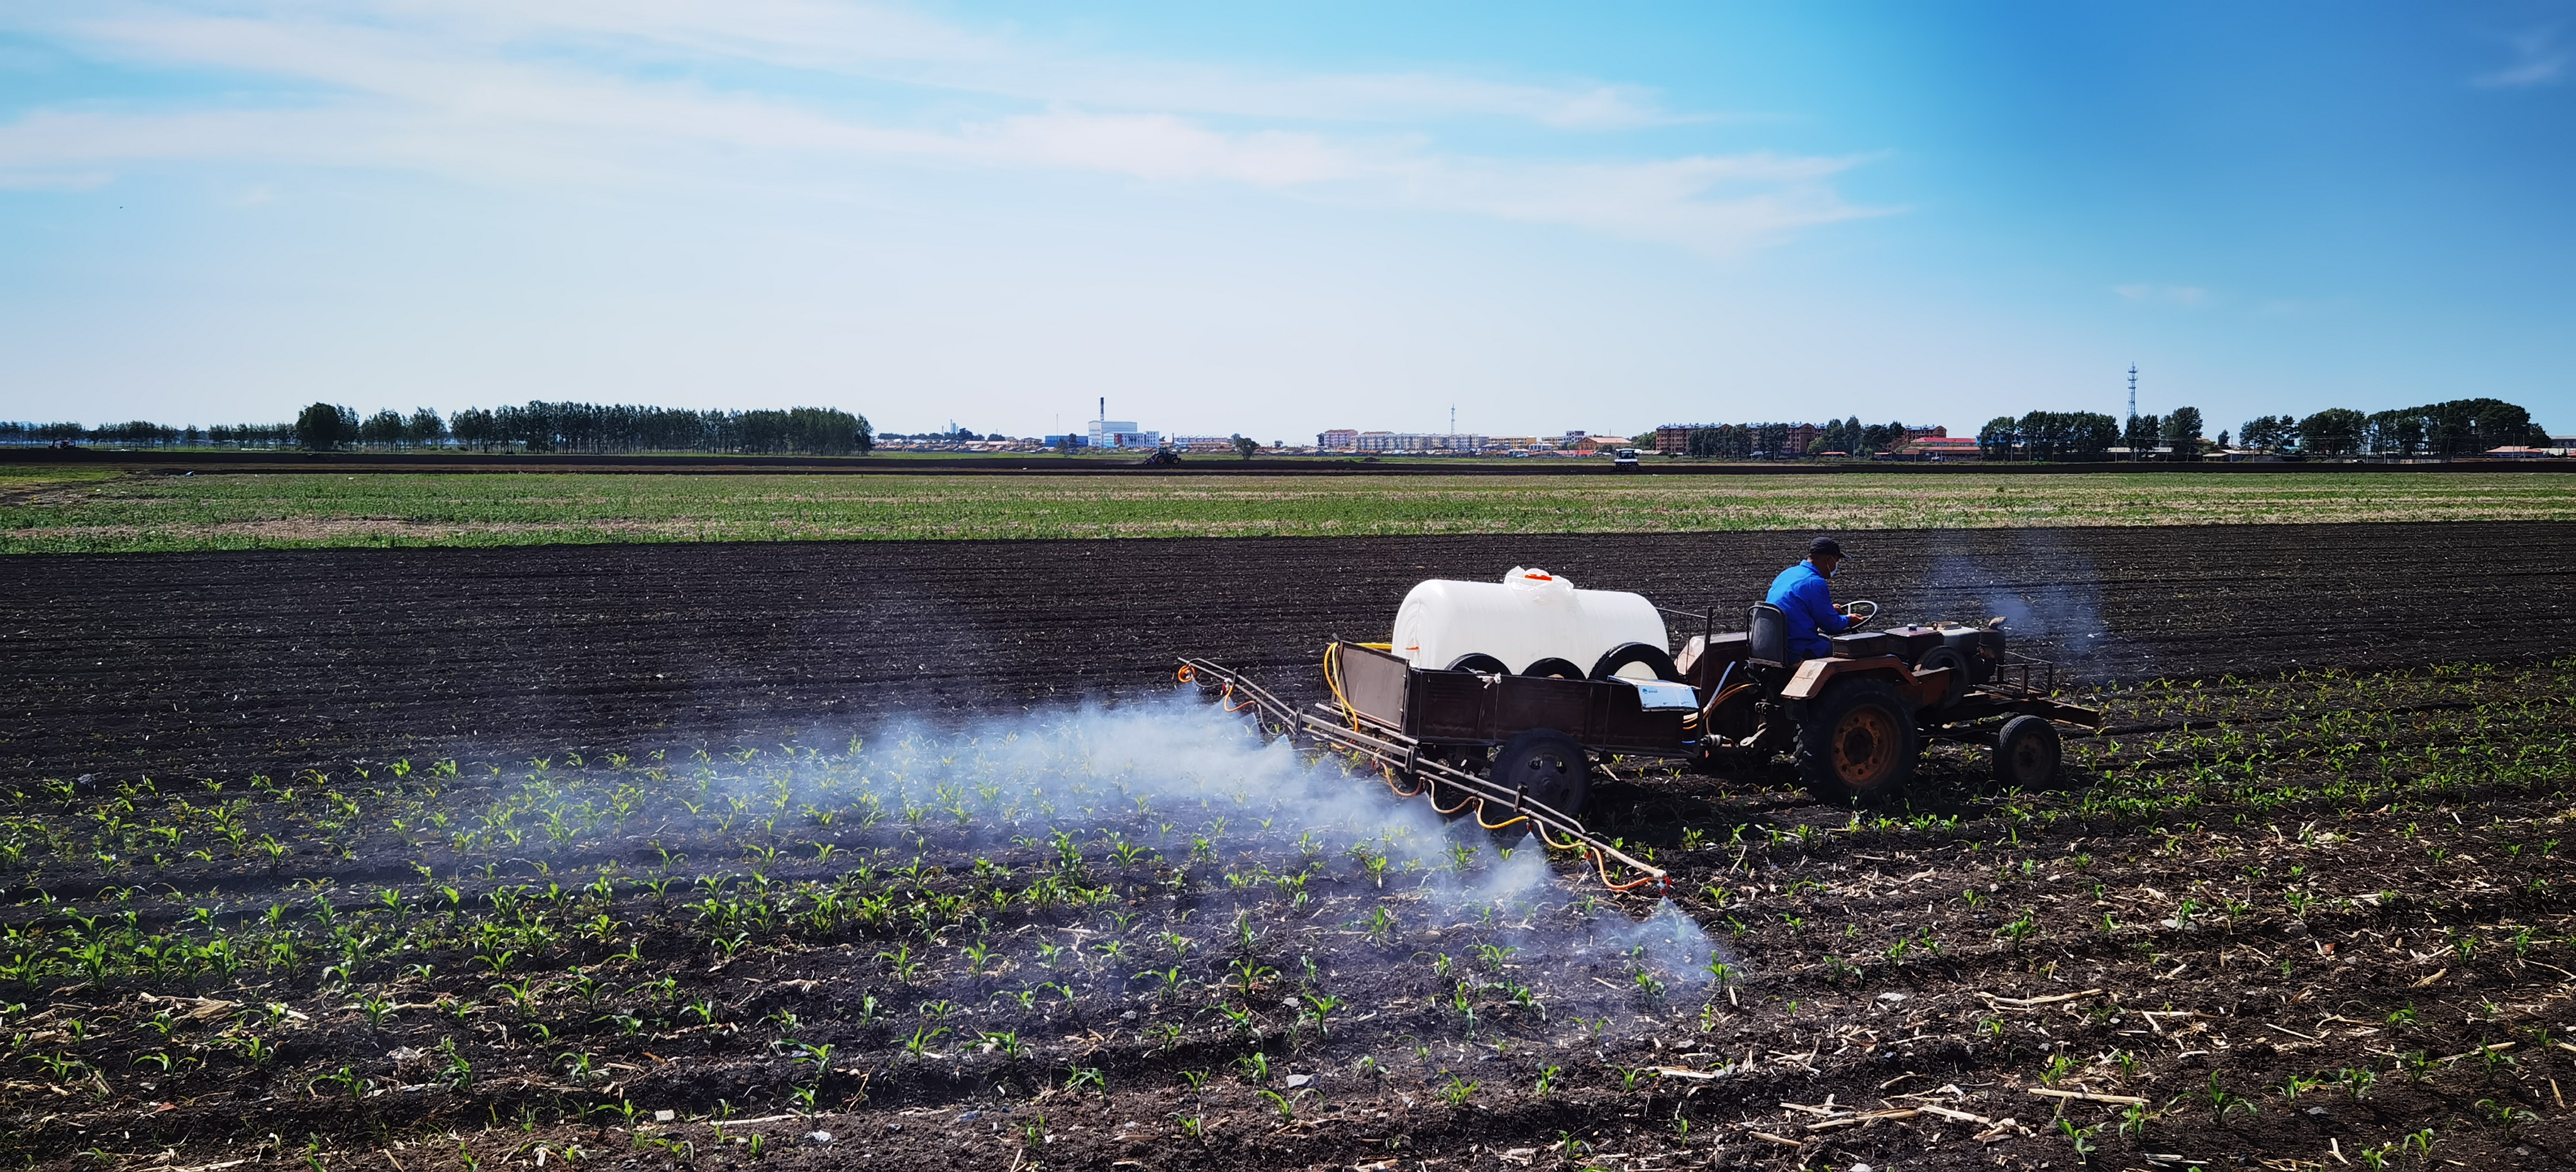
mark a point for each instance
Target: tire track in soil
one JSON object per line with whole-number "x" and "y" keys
{"x": 200, "y": 662}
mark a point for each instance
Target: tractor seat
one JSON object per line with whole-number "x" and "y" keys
{"x": 1766, "y": 640}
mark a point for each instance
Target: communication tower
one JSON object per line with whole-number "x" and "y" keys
{"x": 2133, "y": 390}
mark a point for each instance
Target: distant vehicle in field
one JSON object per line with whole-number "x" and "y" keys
{"x": 1624, "y": 458}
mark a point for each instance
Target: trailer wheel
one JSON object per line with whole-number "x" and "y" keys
{"x": 1655, "y": 658}
{"x": 1857, "y": 741}
{"x": 1550, "y": 765}
{"x": 1478, "y": 661}
{"x": 2027, "y": 752}
{"x": 1551, "y": 666}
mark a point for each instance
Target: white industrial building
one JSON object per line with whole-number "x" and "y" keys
{"x": 1123, "y": 433}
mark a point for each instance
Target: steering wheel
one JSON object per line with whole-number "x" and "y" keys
{"x": 1859, "y": 618}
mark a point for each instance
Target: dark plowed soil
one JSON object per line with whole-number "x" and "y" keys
{"x": 314, "y": 905}
{"x": 179, "y": 663}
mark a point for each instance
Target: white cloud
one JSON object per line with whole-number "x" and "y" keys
{"x": 580, "y": 91}
{"x": 2188, "y": 296}
{"x": 890, "y": 44}
{"x": 2538, "y": 59}
{"x": 53, "y": 179}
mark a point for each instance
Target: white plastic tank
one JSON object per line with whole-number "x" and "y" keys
{"x": 1528, "y": 616}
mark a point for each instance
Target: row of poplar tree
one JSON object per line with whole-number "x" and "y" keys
{"x": 1775, "y": 440}
{"x": 2447, "y": 431}
{"x": 536, "y": 427}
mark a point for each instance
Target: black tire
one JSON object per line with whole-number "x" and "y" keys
{"x": 1957, "y": 662}
{"x": 2027, "y": 754}
{"x": 1857, "y": 742}
{"x": 1655, "y": 658}
{"x": 1550, "y": 765}
{"x": 1480, "y": 662}
{"x": 1554, "y": 668}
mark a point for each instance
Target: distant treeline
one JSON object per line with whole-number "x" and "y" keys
{"x": 2461, "y": 427}
{"x": 2445, "y": 431}
{"x": 2080, "y": 435}
{"x": 536, "y": 427}
{"x": 1781, "y": 440}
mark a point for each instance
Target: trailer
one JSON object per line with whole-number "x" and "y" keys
{"x": 1413, "y": 769}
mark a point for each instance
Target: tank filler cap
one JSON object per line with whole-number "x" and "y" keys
{"x": 1539, "y": 585}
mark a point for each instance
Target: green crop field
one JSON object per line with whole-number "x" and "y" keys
{"x": 54, "y": 512}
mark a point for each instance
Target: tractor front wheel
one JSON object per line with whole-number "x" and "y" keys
{"x": 1857, "y": 741}
{"x": 2027, "y": 753}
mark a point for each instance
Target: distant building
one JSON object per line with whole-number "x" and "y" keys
{"x": 1344, "y": 439}
{"x": 1202, "y": 443}
{"x": 1413, "y": 441}
{"x": 1122, "y": 433}
{"x": 1962, "y": 448}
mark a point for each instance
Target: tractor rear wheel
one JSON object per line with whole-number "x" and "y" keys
{"x": 2026, "y": 752}
{"x": 1857, "y": 741}
{"x": 1551, "y": 766}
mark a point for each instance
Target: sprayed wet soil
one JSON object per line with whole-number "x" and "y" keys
{"x": 2313, "y": 919}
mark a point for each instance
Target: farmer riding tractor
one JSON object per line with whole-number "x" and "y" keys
{"x": 1857, "y": 718}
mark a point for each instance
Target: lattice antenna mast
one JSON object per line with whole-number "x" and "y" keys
{"x": 2133, "y": 390}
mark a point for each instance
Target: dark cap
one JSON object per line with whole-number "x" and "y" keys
{"x": 1824, "y": 545}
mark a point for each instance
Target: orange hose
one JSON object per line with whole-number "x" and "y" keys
{"x": 1602, "y": 861}
{"x": 1472, "y": 800}
{"x": 1389, "y": 777}
{"x": 1186, "y": 674}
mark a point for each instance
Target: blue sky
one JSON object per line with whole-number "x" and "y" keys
{"x": 1275, "y": 219}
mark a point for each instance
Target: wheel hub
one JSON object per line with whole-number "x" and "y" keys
{"x": 2030, "y": 756}
{"x": 1545, "y": 780}
{"x": 1863, "y": 747}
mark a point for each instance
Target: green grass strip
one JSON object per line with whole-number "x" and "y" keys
{"x": 77, "y": 513}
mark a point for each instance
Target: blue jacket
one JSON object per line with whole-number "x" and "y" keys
{"x": 1802, "y": 594}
